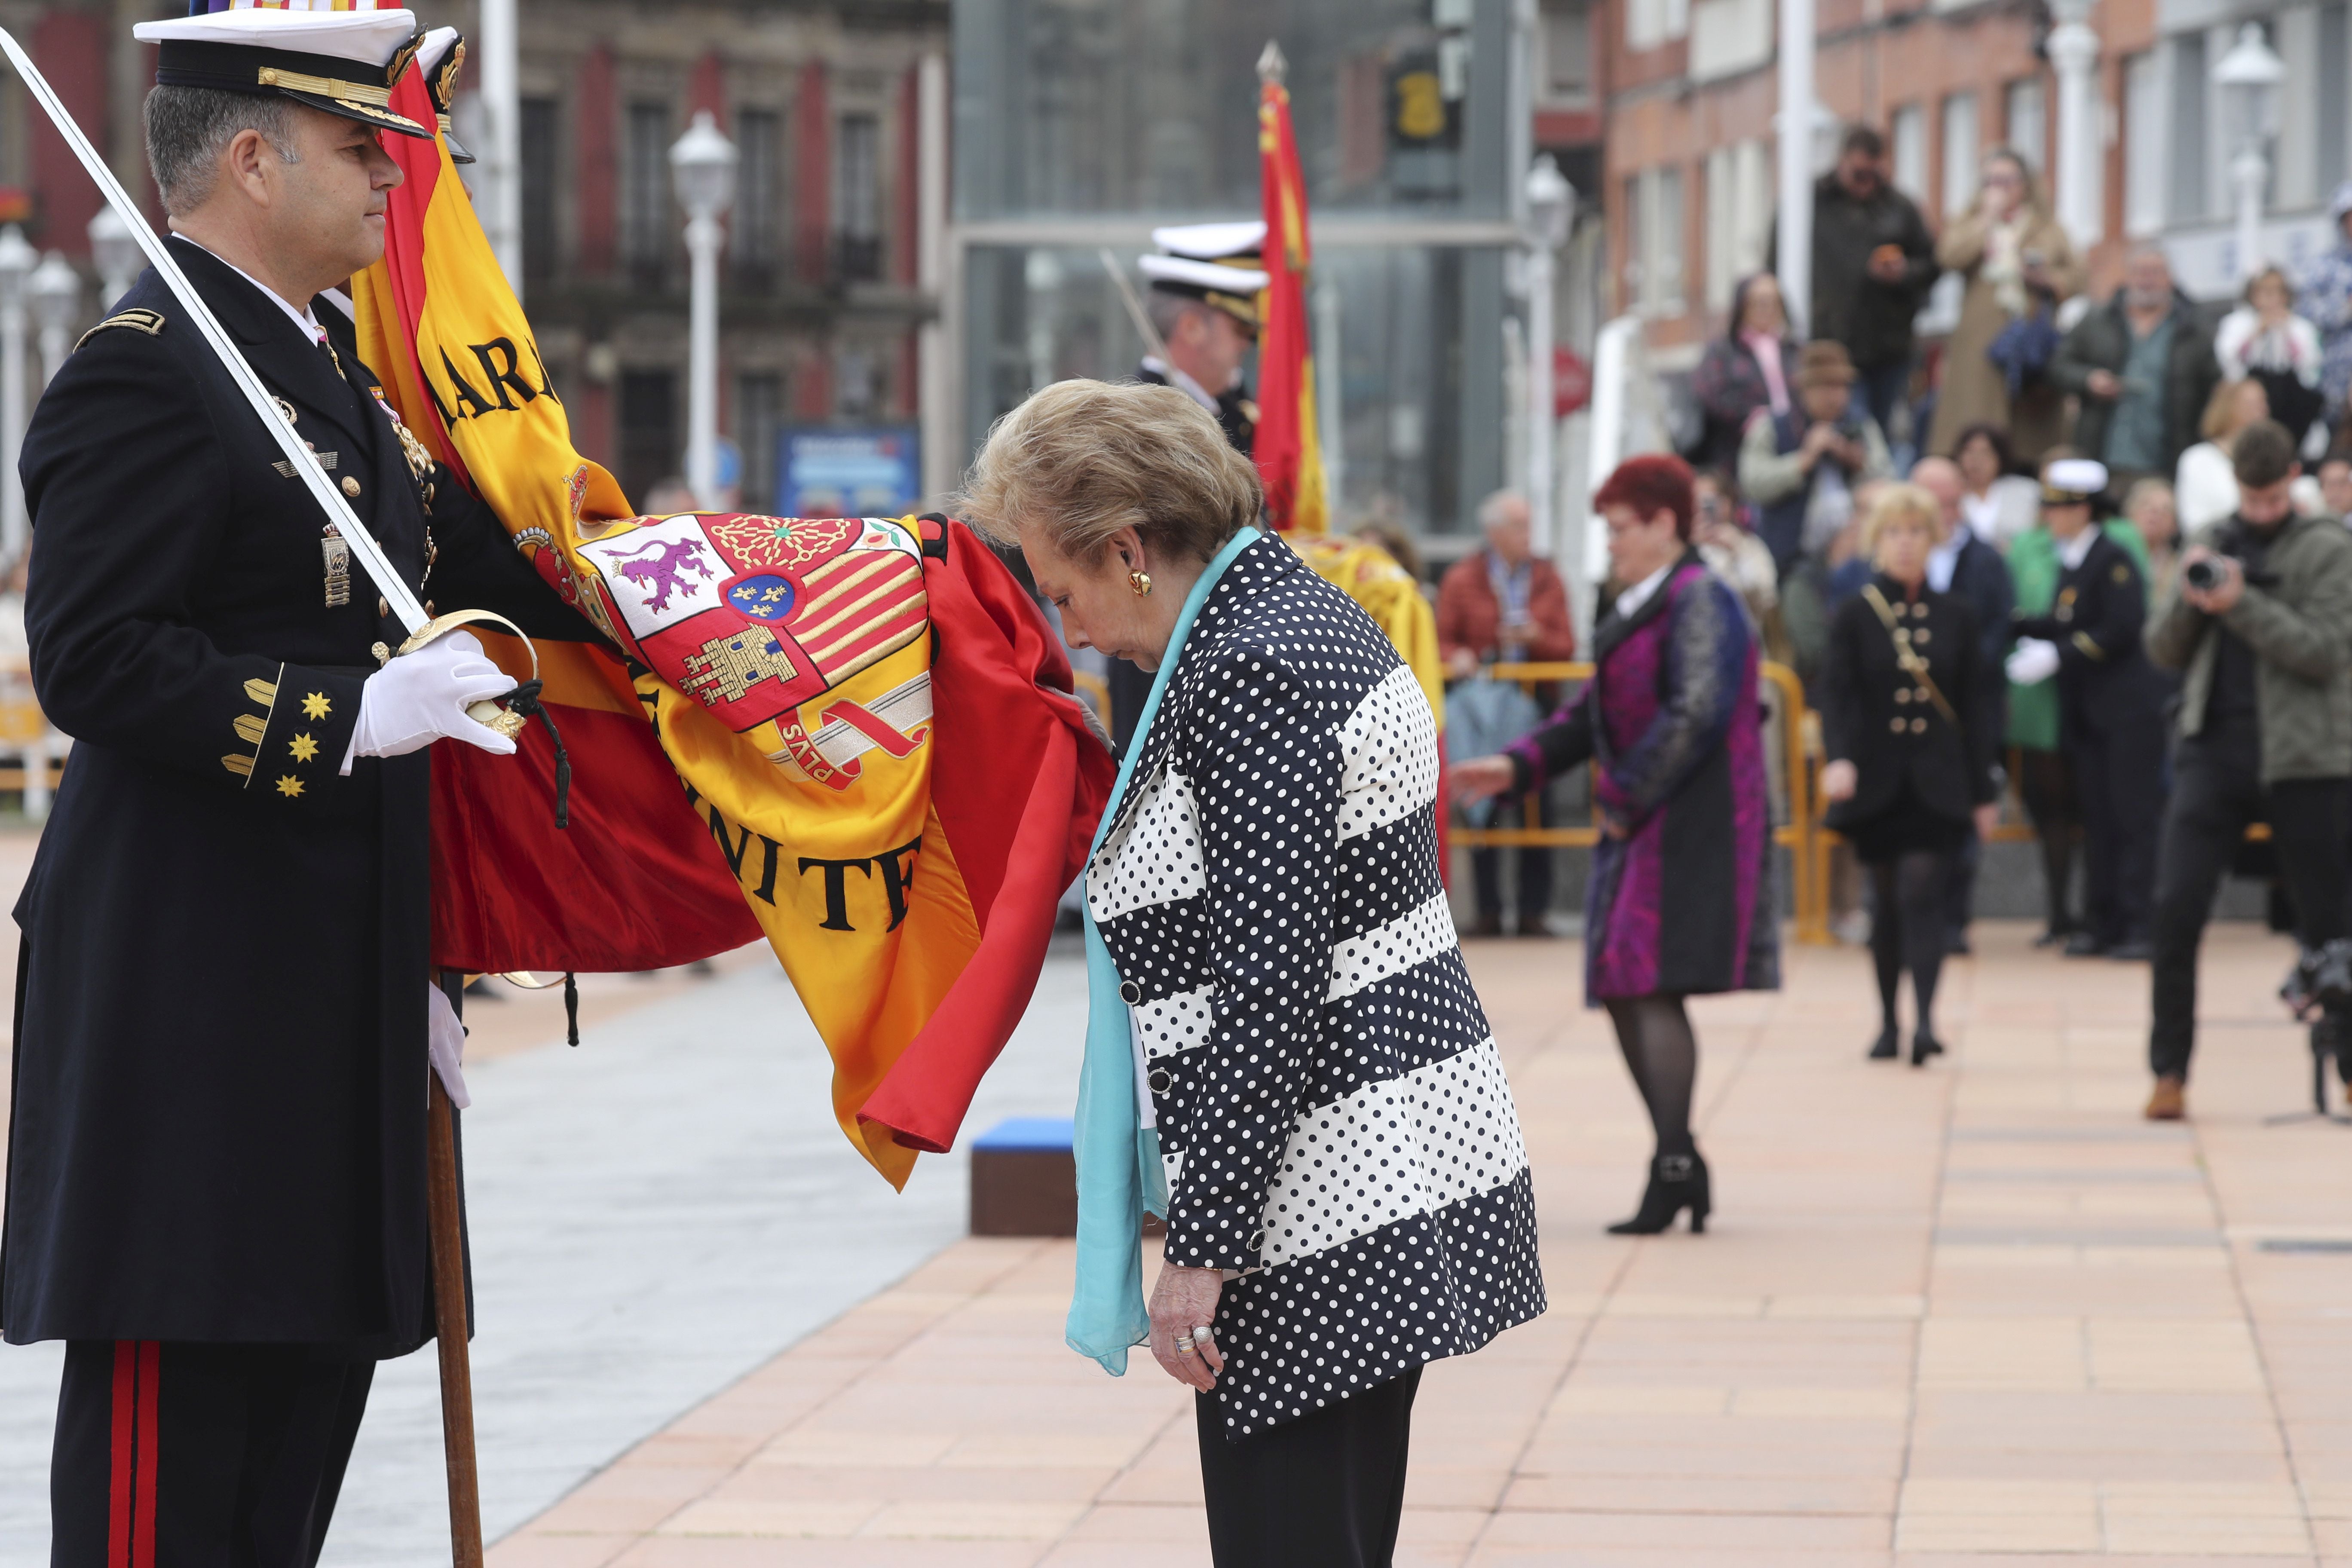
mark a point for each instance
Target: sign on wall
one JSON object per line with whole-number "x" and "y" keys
{"x": 848, "y": 473}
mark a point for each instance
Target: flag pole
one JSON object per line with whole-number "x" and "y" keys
{"x": 451, "y": 1323}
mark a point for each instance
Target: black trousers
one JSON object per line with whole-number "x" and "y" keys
{"x": 200, "y": 1456}
{"x": 1325, "y": 1490}
{"x": 2217, "y": 791}
{"x": 1535, "y": 871}
{"x": 2119, "y": 782}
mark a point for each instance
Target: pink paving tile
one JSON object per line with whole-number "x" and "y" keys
{"x": 535, "y": 1551}
{"x": 743, "y": 1551}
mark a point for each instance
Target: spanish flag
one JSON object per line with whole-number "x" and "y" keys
{"x": 1289, "y": 455}
{"x": 763, "y": 715}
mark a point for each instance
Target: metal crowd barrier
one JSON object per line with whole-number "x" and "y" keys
{"x": 1801, "y": 835}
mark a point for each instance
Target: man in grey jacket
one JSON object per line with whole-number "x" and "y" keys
{"x": 2262, "y": 625}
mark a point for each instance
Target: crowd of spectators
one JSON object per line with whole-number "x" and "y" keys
{"x": 2088, "y": 559}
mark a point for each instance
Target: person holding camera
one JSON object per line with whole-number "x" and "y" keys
{"x": 2110, "y": 707}
{"x": 1802, "y": 467}
{"x": 2261, "y": 627}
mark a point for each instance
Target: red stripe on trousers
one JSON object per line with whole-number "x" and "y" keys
{"x": 130, "y": 1514}
{"x": 142, "y": 1532}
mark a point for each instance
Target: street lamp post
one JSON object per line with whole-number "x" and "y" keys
{"x": 117, "y": 254}
{"x": 2249, "y": 77}
{"x": 55, "y": 289}
{"x": 1795, "y": 235}
{"x": 17, "y": 259}
{"x": 1551, "y": 204}
{"x": 703, "y": 161}
{"x": 2073, "y": 50}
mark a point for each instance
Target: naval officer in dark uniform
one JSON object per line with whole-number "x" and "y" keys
{"x": 1203, "y": 301}
{"x": 2110, "y": 705}
{"x": 217, "y": 1172}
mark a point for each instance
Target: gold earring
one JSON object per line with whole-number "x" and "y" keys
{"x": 1141, "y": 582}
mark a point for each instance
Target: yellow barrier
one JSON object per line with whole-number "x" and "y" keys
{"x": 1799, "y": 835}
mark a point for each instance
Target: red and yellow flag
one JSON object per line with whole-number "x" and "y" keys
{"x": 1288, "y": 452}
{"x": 808, "y": 680}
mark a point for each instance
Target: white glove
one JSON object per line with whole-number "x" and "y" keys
{"x": 445, "y": 1042}
{"x": 421, "y": 698}
{"x": 2030, "y": 663}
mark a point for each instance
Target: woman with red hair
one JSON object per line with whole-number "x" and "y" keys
{"x": 1680, "y": 900}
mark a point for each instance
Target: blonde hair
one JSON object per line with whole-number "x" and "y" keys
{"x": 1892, "y": 504}
{"x": 2220, "y": 421}
{"x": 1085, "y": 458}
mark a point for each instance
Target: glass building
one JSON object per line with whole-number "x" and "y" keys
{"x": 1080, "y": 125}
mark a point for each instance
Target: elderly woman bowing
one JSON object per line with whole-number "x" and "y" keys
{"x": 1680, "y": 900}
{"x": 1347, "y": 1189}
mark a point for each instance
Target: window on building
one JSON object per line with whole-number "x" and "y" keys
{"x": 649, "y": 444}
{"x": 1722, "y": 221}
{"x": 1649, "y": 23}
{"x": 2028, "y": 121}
{"x": 1568, "y": 49}
{"x": 648, "y": 231}
{"x": 1963, "y": 145}
{"x": 1908, "y": 147}
{"x": 1660, "y": 226}
{"x": 540, "y": 182}
{"x": 2145, "y": 169}
{"x": 759, "y": 420}
{"x": 858, "y": 196}
{"x": 2185, "y": 115}
{"x": 757, "y": 231}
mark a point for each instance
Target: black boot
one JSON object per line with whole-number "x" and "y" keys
{"x": 1888, "y": 1046}
{"x": 1922, "y": 1046}
{"x": 1678, "y": 1182}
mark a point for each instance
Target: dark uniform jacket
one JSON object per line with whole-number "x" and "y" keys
{"x": 2105, "y": 679}
{"x": 1886, "y": 723}
{"x": 218, "y": 1129}
{"x": 1235, "y": 413}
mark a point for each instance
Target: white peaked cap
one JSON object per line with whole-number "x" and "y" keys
{"x": 1211, "y": 241}
{"x": 2077, "y": 476}
{"x": 365, "y": 37}
{"x": 1188, "y": 274}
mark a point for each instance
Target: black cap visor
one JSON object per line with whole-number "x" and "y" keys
{"x": 324, "y": 82}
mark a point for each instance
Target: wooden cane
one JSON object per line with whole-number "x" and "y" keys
{"x": 450, "y": 1325}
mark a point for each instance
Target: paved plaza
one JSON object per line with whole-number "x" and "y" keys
{"x": 1975, "y": 1313}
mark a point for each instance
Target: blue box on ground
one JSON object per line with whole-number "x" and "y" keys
{"x": 1023, "y": 1181}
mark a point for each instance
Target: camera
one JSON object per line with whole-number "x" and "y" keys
{"x": 2204, "y": 574}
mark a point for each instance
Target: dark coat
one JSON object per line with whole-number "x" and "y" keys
{"x": 2105, "y": 683}
{"x": 1880, "y": 718}
{"x": 2103, "y": 340}
{"x": 1236, "y": 414}
{"x": 1730, "y": 387}
{"x": 1872, "y": 319}
{"x": 1671, "y": 726}
{"x": 1980, "y": 581}
{"x": 1331, "y": 1110}
{"x": 218, "y": 1127}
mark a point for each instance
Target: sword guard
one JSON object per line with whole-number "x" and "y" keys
{"x": 507, "y": 721}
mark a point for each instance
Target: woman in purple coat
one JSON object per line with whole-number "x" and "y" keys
{"x": 1680, "y": 900}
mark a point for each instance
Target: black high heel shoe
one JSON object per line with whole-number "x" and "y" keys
{"x": 1888, "y": 1046}
{"x": 1678, "y": 1182}
{"x": 1922, "y": 1046}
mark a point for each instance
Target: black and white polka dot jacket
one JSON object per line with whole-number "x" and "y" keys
{"x": 1336, "y": 1126}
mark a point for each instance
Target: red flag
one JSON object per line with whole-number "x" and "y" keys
{"x": 1289, "y": 454}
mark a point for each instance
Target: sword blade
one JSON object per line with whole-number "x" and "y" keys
{"x": 389, "y": 582}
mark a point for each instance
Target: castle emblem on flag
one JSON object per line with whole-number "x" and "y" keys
{"x": 726, "y": 667}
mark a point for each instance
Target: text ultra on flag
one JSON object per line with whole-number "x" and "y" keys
{"x": 870, "y": 720}
{"x": 1290, "y": 456}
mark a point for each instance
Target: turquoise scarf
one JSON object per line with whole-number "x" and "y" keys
{"x": 1119, "y": 1174}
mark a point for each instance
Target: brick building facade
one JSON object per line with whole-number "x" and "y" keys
{"x": 820, "y": 308}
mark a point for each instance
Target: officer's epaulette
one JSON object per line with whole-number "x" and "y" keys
{"x": 148, "y": 321}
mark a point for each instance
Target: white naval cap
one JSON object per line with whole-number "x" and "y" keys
{"x": 1213, "y": 241}
{"x": 343, "y": 61}
{"x": 2078, "y": 478}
